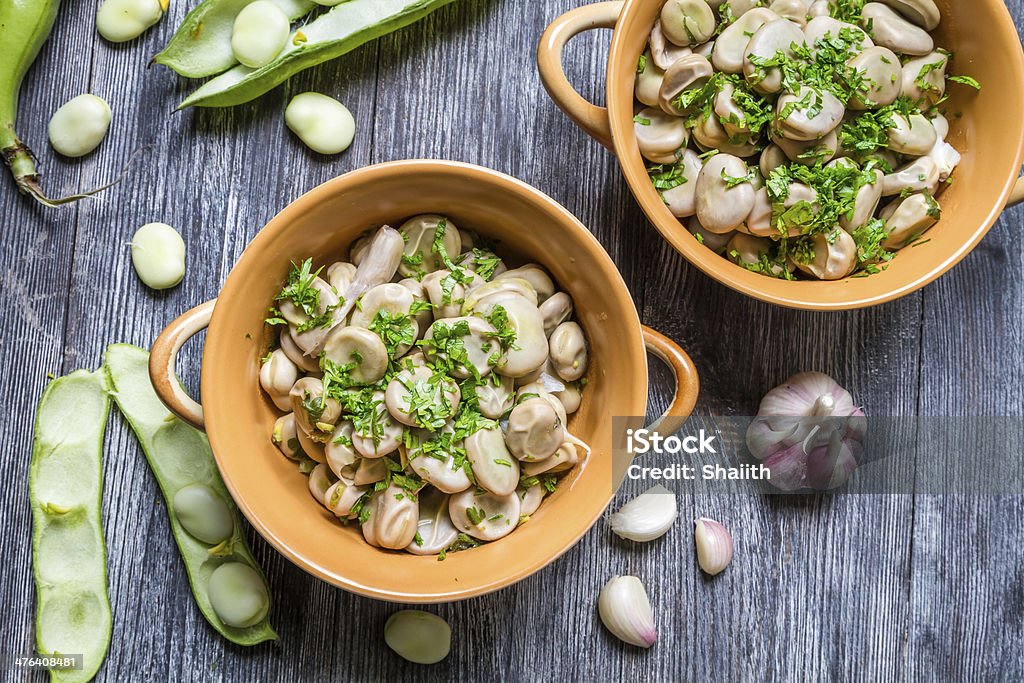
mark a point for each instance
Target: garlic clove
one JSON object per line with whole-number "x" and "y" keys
{"x": 626, "y": 611}
{"x": 647, "y": 517}
{"x": 714, "y": 546}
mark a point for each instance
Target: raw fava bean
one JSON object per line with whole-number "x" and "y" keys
{"x": 419, "y": 637}
{"x": 259, "y": 33}
{"x": 226, "y": 581}
{"x": 203, "y": 513}
{"x": 201, "y": 46}
{"x": 330, "y": 35}
{"x": 68, "y": 555}
{"x": 158, "y": 255}
{"x": 79, "y": 126}
{"x": 239, "y": 595}
{"x": 122, "y": 20}
{"x": 323, "y": 123}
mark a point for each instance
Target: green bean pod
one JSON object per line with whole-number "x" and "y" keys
{"x": 68, "y": 554}
{"x": 332, "y": 34}
{"x": 228, "y": 585}
{"x": 201, "y": 46}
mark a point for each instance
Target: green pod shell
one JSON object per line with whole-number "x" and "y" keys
{"x": 201, "y": 46}
{"x": 332, "y": 34}
{"x": 69, "y": 558}
{"x": 179, "y": 456}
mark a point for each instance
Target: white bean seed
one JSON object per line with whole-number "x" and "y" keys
{"x": 321, "y": 122}
{"x": 158, "y": 254}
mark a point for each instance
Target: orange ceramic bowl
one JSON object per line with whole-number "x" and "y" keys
{"x": 321, "y": 224}
{"x": 987, "y": 127}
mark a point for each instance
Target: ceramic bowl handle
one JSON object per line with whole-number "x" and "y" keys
{"x": 589, "y": 117}
{"x": 164, "y": 356}
{"x": 687, "y": 383}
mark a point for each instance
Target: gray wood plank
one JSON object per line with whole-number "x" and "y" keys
{"x": 830, "y": 588}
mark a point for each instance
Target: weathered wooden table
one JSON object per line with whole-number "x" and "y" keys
{"x": 910, "y": 587}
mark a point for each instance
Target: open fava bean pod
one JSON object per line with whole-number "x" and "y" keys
{"x": 228, "y": 585}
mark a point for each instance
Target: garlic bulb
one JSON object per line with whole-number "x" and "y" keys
{"x": 714, "y": 545}
{"x": 808, "y": 432}
{"x": 647, "y": 517}
{"x": 626, "y": 611}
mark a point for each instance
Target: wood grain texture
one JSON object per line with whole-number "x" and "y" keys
{"x": 898, "y": 587}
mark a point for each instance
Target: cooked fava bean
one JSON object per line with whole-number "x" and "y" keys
{"x": 360, "y": 349}
{"x": 375, "y": 432}
{"x": 750, "y": 251}
{"x": 865, "y": 204}
{"x": 818, "y": 8}
{"x": 912, "y": 135}
{"x": 834, "y": 256}
{"x": 681, "y": 200}
{"x": 388, "y": 448}
{"x": 122, "y": 20}
{"x": 468, "y": 343}
{"x": 568, "y": 351}
{"x": 435, "y": 532}
{"x": 880, "y": 70}
{"x": 277, "y": 375}
{"x": 417, "y": 398}
{"x": 420, "y": 637}
{"x": 535, "y": 275}
{"x": 923, "y": 80}
{"x": 320, "y": 479}
{"x": 339, "y": 451}
{"x": 563, "y": 459}
{"x": 648, "y": 81}
{"x": 890, "y": 30}
{"x": 79, "y": 126}
{"x": 908, "y": 218}
{"x": 323, "y": 123}
{"x": 690, "y": 72}
{"x": 711, "y": 240}
{"x": 771, "y": 158}
{"x": 731, "y": 46}
{"x": 238, "y": 595}
{"x": 418, "y": 233}
{"x": 660, "y": 135}
{"x": 781, "y": 36}
{"x": 494, "y": 468}
{"x": 259, "y": 34}
{"x": 721, "y": 207}
{"x": 921, "y": 174}
{"x": 390, "y": 297}
{"x": 810, "y": 114}
{"x": 663, "y": 51}
{"x": 494, "y": 400}
{"x": 158, "y": 255}
{"x": 285, "y": 436}
{"x": 687, "y": 22}
{"x": 486, "y": 516}
{"x": 203, "y": 513}
{"x": 924, "y": 13}
{"x": 340, "y": 275}
{"x": 822, "y": 27}
{"x": 342, "y": 496}
{"x": 809, "y": 152}
{"x": 530, "y": 349}
{"x": 535, "y": 430}
{"x": 394, "y": 518}
{"x": 759, "y": 221}
{"x": 555, "y": 311}
{"x": 570, "y": 397}
{"x": 794, "y": 10}
{"x": 530, "y": 499}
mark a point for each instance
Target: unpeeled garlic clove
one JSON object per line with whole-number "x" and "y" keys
{"x": 626, "y": 611}
{"x": 714, "y": 546}
{"x": 647, "y": 517}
